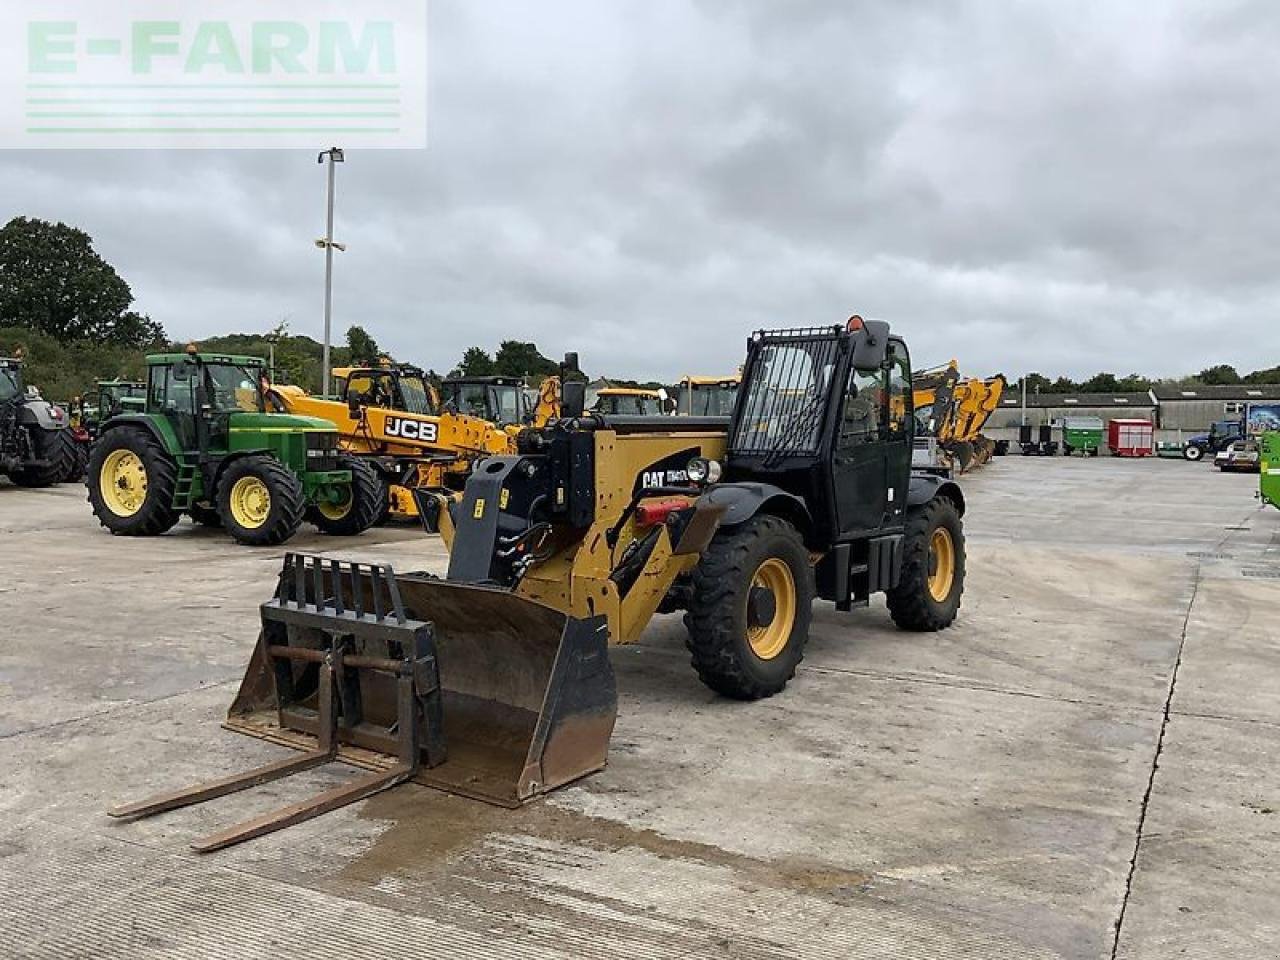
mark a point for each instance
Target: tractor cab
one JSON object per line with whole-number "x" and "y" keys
{"x": 707, "y": 396}
{"x": 393, "y": 387}
{"x": 117, "y": 396}
{"x": 500, "y": 400}
{"x": 12, "y": 387}
{"x": 629, "y": 402}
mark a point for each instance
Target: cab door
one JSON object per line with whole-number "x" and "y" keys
{"x": 858, "y": 462}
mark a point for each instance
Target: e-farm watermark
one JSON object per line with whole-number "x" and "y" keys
{"x": 232, "y": 74}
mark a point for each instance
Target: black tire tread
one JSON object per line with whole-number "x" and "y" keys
{"x": 909, "y": 603}
{"x": 720, "y": 582}
{"x": 370, "y": 500}
{"x": 157, "y": 515}
{"x": 286, "y": 489}
{"x": 58, "y": 448}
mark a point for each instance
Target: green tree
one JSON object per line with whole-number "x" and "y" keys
{"x": 1101, "y": 383}
{"x": 362, "y": 348}
{"x": 1064, "y": 385}
{"x": 1222, "y": 374}
{"x": 475, "y": 363}
{"x": 1270, "y": 375}
{"x": 1133, "y": 383}
{"x": 516, "y": 358}
{"x": 1037, "y": 383}
{"x": 54, "y": 282}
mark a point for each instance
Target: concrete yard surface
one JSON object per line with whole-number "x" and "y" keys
{"x": 1087, "y": 765}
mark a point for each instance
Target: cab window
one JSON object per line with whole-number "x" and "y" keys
{"x": 900, "y": 413}
{"x": 862, "y": 418}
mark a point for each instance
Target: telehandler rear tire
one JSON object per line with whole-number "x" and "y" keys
{"x": 368, "y": 501}
{"x": 748, "y": 618}
{"x": 927, "y": 597}
{"x": 131, "y": 481}
{"x": 260, "y": 501}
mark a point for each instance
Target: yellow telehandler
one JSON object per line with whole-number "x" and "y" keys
{"x": 495, "y": 682}
{"x": 416, "y": 437}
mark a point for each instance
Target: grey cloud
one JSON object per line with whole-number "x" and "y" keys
{"x": 1024, "y": 186}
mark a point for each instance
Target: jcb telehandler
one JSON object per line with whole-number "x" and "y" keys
{"x": 206, "y": 446}
{"x": 495, "y": 682}
{"x": 391, "y": 418}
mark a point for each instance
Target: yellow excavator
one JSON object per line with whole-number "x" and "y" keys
{"x": 495, "y": 681}
{"x": 950, "y": 413}
{"x": 418, "y": 437}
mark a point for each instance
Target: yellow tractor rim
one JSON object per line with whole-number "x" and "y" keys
{"x": 768, "y": 640}
{"x": 250, "y": 502}
{"x": 942, "y": 564}
{"x": 336, "y": 511}
{"x": 123, "y": 483}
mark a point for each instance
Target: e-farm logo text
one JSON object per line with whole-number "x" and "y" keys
{"x": 153, "y": 73}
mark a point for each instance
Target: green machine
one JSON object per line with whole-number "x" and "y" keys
{"x": 1082, "y": 435}
{"x": 1269, "y": 447}
{"x": 205, "y": 444}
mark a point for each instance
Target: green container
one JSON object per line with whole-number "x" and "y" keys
{"x": 1269, "y": 447}
{"x": 1082, "y": 435}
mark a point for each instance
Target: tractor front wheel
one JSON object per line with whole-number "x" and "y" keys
{"x": 748, "y": 618}
{"x": 1192, "y": 452}
{"x": 131, "y": 481}
{"x": 927, "y": 596}
{"x": 363, "y": 504}
{"x": 260, "y": 501}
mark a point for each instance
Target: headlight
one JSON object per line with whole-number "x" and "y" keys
{"x": 702, "y": 471}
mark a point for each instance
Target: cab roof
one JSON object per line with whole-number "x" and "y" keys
{"x": 712, "y": 381}
{"x": 628, "y": 392}
{"x": 486, "y": 381}
{"x": 395, "y": 370}
{"x": 162, "y": 359}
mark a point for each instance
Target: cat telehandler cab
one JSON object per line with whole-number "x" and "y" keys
{"x": 495, "y": 682}
{"x": 205, "y": 445}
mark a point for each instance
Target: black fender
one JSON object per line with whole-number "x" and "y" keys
{"x": 742, "y": 501}
{"x": 40, "y": 414}
{"x": 925, "y": 486}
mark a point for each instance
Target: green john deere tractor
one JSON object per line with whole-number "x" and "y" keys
{"x": 205, "y": 445}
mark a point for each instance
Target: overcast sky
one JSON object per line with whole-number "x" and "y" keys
{"x": 1062, "y": 187}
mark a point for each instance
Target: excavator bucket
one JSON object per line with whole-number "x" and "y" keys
{"x": 467, "y": 688}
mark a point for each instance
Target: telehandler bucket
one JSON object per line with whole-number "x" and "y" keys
{"x": 467, "y": 688}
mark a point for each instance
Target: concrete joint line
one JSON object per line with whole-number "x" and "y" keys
{"x": 1155, "y": 765}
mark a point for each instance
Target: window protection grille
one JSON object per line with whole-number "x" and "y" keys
{"x": 786, "y": 388}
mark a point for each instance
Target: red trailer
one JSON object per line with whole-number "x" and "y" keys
{"x": 1131, "y": 438}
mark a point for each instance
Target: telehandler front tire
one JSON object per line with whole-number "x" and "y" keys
{"x": 260, "y": 501}
{"x": 748, "y": 618}
{"x": 927, "y": 596}
{"x": 367, "y": 501}
{"x": 131, "y": 481}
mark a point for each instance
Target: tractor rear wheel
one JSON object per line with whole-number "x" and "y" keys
{"x": 748, "y": 618}
{"x": 56, "y": 448}
{"x": 927, "y": 596}
{"x": 364, "y": 505}
{"x": 131, "y": 481}
{"x": 260, "y": 501}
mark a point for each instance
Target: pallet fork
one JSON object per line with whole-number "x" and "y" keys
{"x": 351, "y": 618}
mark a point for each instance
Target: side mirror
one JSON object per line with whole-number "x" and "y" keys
{"x": 353, "y": 406}
{"x": 871, "y": 345}
{"x": 573, "y": 399}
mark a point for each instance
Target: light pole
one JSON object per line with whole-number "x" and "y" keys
{"x": 335, "y": 156}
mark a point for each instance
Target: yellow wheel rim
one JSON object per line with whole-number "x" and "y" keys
{"x": 123, "y": 483}
{"x": 250, "y": 502}
{"x": 768, "y": 640}
{"x": 336, "y": 511}
{"x": 942, "y": 564}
